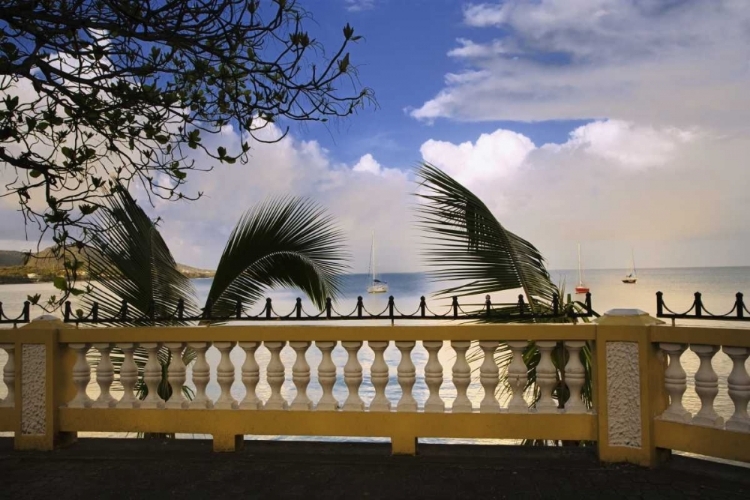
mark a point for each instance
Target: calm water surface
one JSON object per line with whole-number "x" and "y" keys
{"x": 718, "y": 286}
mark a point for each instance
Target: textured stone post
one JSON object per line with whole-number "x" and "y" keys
{"x": 629, "y": 390}
{"x": 44, "y": 383}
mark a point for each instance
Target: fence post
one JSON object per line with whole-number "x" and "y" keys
{"x": 44, "y": 382}
{"x": 629, "y": 387}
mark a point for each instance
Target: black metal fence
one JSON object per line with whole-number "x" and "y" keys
{"x": 739, "y": 311}
{"x": 519, "y": 311}
{"x": 21, "y": 318}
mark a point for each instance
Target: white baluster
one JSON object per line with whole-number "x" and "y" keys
{"x": 675, "y": 382}
{"x": 433, "y": 377}
{"x": 176, "y": 375}
{"x": 353, "y": 377}
{"x": 739, "y": 389}
{"x": 128, "y": 378}
{"x": 517, "y": 377}
{"x": 407, "y": 376}
{"x": 326, "y": 377}
{"x": 275, "y": 375}
{"x": 250, "y": 377}
{"x": 81, "y": 377}
{"x": 201, "y": 376}
{"x": 105, "y": 375}
{"x": 379, "y": 377}
{"x": 489, "y": 377}
{"x": 225, "y": 377}
{"x": 707, "y": 387}
{"x": 461, "y": 377}
{"x": 575, "y": 377}
{"x": 301, "y": 377}
{"x": 546, "y": 378}
{"x": 9, "y": 376}
{"x": 152, "y": 377}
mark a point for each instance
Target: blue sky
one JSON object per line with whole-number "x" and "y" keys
{"x": 618, "y": 124}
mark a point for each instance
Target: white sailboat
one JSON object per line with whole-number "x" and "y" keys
{"x": 376, "y": 285}
{"x": 631, "y": 277}
{"x": 581, "y": 288}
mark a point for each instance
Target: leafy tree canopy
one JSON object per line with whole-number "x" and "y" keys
{"x": 100, "y": 93}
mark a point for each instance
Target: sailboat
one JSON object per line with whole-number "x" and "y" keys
{"x": 376, "y": 285}
{"x": 581, "y": 288}
{"x": 631, "y": 277}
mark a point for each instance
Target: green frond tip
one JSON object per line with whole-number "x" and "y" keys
{"x": 465, "y": 243}
{"x": 282, "y": 242}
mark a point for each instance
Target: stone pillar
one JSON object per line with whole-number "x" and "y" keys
{"x": 44, "y": 379}
{"x": 629, "y": 377}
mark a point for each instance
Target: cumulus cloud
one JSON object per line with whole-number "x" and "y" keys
{"x": 678, "y": 63}
{"x": 613, "y": 185}
{"x": 491, "y": 156}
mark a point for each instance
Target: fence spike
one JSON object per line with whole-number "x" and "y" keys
{"x": 422, "y": 305}
{"x": 67, "y": 311}
{"x": 659, "y": 304}
{"x": 360, "y": 306}
{"x": 298, "y": 307}
{"x": 740, "y": 304}
{"x": 698, "y": 305}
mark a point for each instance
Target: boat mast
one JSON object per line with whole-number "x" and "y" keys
{"x": 580, "y": 275}
{"x": 372, "y": 258}
{"x": 632, "y": 261}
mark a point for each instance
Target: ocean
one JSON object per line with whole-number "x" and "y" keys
{"x": 718, "y": 286}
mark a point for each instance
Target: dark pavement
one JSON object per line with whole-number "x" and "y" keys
{"x": 186, "y": 469}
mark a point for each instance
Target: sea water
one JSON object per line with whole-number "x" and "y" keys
{"x": 718, "y": 286}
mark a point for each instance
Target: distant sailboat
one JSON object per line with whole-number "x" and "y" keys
{"x": 376, "y": 285}
{"x": 631, "y": 277}
{"x": 581, "y": 288}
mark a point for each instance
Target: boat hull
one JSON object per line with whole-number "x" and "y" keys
{"x": 377, "y": 289}
{"x": 629, "y": 281}
{"x": 582, "y": 289}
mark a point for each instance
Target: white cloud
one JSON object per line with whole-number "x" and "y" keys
{"x": 359, "y": 5}
{"x": 626, "y": 143}
{"x": 470, "y": 49}
{"x": 365, "y": 197}
{"x": 613, "y": 185}
{"x": 492, "y": 155}
{"x": 680, "y": 63}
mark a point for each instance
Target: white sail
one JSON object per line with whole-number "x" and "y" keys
{"x": 631, "y": 277}
{"x": 376, "y": 285}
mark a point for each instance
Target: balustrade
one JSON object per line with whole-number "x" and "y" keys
{"x": 9, "y": 376}
{"x": 200, "y": 375}
{"x": 707, "y": 386}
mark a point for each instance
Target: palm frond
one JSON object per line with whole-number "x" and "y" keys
{"x": 131, "y": 262}
{"x": 286, "y": 242}
{"x": 467, "y": 244}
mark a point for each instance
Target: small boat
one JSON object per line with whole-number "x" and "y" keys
{"x": 631, "y": 277}
{"x": 376, "y": 285}
{"x": 581, "y": 288}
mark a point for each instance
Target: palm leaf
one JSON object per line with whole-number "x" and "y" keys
{"x": 286, "y": 242}
{"x": 467, "y": 244}
{"x": 131, "y": 262}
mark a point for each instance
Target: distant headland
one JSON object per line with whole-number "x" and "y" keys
{"x": 22, "y": 267}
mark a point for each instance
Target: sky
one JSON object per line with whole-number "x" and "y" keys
{"x": 619, "y": 124}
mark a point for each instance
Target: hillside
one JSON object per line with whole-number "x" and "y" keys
{"x": 10, "y": 258}
{"x": 44, "y": 266}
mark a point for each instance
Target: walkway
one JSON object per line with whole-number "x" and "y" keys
{"x": 186, "y": 469}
